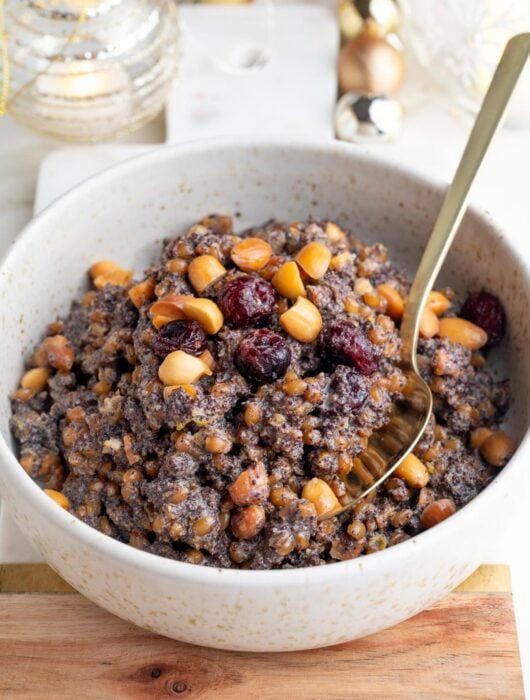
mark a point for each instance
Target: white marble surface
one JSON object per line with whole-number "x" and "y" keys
{"x": 432, "y": 141}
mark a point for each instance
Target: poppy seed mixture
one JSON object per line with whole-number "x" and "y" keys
{"x": 210, "y": 410}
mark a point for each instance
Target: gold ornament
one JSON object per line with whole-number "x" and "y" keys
{"x": 368, "y": 65}
{"x": 354, "y": 13}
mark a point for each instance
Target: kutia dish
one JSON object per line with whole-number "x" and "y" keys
{"x": 122, "y": 215}
{"x": 210, "y": 411}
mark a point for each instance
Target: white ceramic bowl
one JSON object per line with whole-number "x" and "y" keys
{"x": 122, "y": 214}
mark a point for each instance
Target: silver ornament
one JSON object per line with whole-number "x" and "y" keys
{"x": 367, "y": 118}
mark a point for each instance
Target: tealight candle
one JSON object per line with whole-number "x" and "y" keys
{"x": 89, "y": 70}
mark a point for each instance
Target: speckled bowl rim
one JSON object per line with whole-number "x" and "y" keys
{"x": 212, "y": 576}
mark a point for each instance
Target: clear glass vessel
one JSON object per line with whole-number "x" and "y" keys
{"x": 459, "y": 42}
{"x": 89, "y": 70}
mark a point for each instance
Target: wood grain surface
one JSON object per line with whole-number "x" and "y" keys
{"x": 62, "y": 646}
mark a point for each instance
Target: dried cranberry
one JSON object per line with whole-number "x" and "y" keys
{"x": 263, "y": 356}
{"x": 349, "y": 390}
{"x": 180, "y": 335}
{"x": 485, "y": 310}
{"x": 346, "y": 344}
{"x": 247, "y": 300}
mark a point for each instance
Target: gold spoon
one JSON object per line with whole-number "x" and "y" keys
{"x": 388, "y": 446}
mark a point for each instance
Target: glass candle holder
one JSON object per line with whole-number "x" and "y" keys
{"x": 89, "y": 70}
{"x": 459, "y": 42}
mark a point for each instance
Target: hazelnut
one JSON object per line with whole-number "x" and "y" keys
{"x": 206, "y": 313}
{"x": 204, "y": 271}
{"x": 302, "y": 321}
{"x": 287, "y": 281}
{"x": 314, "y": 259}
{"x": 180, "y": 368}
{"x": 108, "y": 272}
{"x": 170, "y": 306}
{"x": 251, "y": 254}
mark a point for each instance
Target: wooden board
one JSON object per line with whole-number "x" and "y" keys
{"x": 59, "y": 645}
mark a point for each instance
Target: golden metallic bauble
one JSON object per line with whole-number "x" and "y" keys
{"x": 384, "y": 14}
{"x": 353, "y": 13}
{"x": 370, "y": 65}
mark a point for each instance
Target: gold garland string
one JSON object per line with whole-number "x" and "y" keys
{"x": 5, "y": 100}
{"x": 5, "y": 63}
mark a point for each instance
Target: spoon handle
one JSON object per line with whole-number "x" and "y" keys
{"x": 486, "y": 125}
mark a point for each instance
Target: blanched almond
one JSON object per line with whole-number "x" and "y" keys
{"x": 206, "y": 313}
{"x": 251, "y": 254}
{"x": 302, "y": 321}
{"x": 314, "y": 259}
{"x": 204, "y": 271}
{"x": 180, "y": 368}
{"x": 288, "y": 282}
